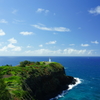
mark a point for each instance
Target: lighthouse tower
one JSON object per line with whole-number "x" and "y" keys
{"x": 49, "y": 60}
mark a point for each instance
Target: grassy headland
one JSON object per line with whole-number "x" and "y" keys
{"x": 32, "y": 81}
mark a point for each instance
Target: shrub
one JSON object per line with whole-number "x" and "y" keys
{"x": 37, "y": 63}
{"x": 24, "y": 63}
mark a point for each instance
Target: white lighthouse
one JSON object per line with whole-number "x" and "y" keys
{"x": 49, "y": 60}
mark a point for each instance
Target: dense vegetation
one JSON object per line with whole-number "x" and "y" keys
{"x": 32, "y": 80}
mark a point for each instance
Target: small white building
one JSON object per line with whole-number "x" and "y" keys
{"x": 49, "y": 60}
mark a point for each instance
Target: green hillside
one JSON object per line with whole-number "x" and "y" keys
{"x": 32, "y": 81}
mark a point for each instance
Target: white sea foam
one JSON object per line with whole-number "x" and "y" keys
{"x": 78, "y": 81}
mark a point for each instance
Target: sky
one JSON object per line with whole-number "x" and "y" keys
{"x": 49, "y": 28}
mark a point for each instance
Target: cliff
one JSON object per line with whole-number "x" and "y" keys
{"x": 33, "y": 81}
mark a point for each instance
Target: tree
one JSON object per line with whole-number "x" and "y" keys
{"x": 24, "y": 63}
{"x": 37, "y": 63}
{"x": 44, "y": 63}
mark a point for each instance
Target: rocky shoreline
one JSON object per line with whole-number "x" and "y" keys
{"x": 60, "y": 90}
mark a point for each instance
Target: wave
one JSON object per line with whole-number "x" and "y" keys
{"x": 78, "y": 81}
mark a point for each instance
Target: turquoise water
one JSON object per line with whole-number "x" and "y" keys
{"x": 87, "y": 69}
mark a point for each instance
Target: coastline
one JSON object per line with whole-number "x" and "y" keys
{"x": 71, "y": 86}
{"x": 46, "y": 81}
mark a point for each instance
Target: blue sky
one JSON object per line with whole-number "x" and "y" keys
{"x": 49, "y": 28}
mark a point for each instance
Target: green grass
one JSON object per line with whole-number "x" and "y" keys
{"x": 18, "y": 74}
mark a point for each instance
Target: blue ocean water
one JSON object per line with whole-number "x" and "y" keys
{"x": 87, "y": 69}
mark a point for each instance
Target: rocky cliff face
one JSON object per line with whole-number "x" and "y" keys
{"x": 36, "y": 82}
{"x": 49, "y": 85}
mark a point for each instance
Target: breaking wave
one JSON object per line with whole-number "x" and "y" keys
{"x": 78, "y": 81}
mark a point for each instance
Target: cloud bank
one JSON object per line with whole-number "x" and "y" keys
{"x": 60, "y": 52}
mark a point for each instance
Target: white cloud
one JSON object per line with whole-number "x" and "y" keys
{"x": 41, "y": 45}
{"x": 2, "y": 32}
{"x": 16, "y": 48}
{"x": 14, "y": 11}
{"x": 40, "y": 52}
{"x": 59, "y": 29}
{"x": 42, "y": 27}
{"x": 39, "y": 10}
{"x": 95, "y": 10}
{"x": 12, "y": 40}
{"x": 85, "y": 45}
{"x": 26, "y": 33}
{"x": 3, "y": 21}
{"x": 96, "y": 42}
{"x": 90, "y": 52}
{"x": 3, "y": 48}
{"x": 74, "y": 51}
{"x": 11, "y": 47}
{"x": 59, "y": 52}
{"x": 52, "y": 42}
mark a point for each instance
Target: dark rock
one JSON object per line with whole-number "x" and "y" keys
{"x": 49, "y": 86}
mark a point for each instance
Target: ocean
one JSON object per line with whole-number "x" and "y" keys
{"x": 85, "y": 69}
